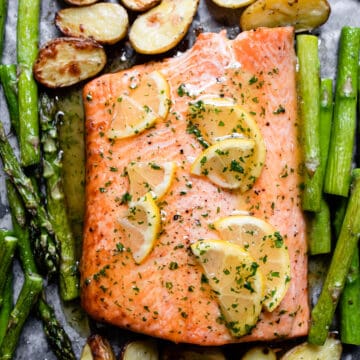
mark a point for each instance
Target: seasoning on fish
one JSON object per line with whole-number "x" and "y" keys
{"x": 167, "y": 294}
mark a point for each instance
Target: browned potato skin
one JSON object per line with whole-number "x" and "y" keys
{"x": 303, "y": 15}
{"x": 52, "y": 71}
{"x": 140, "y": 5}
{"x": 63, "y": 20}
{"x": 81, "y": 2}
{"x": 100, "y": 348}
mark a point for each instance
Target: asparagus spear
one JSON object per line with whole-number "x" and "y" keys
{"x": 319, "y": 223}
{"x": 7, "y": 250}
{"x": 57, "y": 337}
{"x": 350, "y": 305}
{"x": 338, "y": 171}
{"x": 27, "y": 49}
{"x": 46, "y": 245}
{"x": 27, "y": 298}
{"x": 319, "y": 230}
{"x": 9, "y": 83}
{"x": 3, "y": 11}
{"x": 323, "y": 312}
{"x": 6, "y": 306}
{"x": 309, "y": 90}
{"x": 56, "y": 206}
{"x": 55, "y": 334}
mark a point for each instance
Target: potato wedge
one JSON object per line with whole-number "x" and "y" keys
{"x": 233, "y": 4}
{"x": 332, "y": 349}
{"x": 185, "y": 352}
{"x": 63, "y": 62}
{"x": 140, "y": 5}
{"x": 106, "y": 23}
{"x": 97, "y": 348}
{"x": 302, "y": 14}
{"x": 162, "y": 27}
{"x": 259, "y": 353}
{"x": 140, "y": 350}
{"x": 81, "y": 2}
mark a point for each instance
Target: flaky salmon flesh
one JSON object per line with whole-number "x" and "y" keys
{"x": 257, "y": 70}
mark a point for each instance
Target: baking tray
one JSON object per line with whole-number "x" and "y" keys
{"x": 209, "y": 17}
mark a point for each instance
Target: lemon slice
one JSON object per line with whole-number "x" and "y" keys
{"x": 140, "y": 106}
{"x": 142, "y": 226}
{"x": 220, "y": 118}
{"x": 236, "y": 279}
{"x": 150, "y": 177}
{"x": 233, "y": 4}
{"x": 228, "y": 164}
{"x": 265, "y": 244}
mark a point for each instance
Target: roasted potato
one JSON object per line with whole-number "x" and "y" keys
{"x": 185, "y": 352}
{"x": 302, "y": 14}
{"x": 81, "y": 2}
{"x": 66, "y": 61}
{"x": 140, "y": 5}
{"x": 105, "y": 23}
{"x": 162, "y": 27}
{"x": 233, "y": 4}
{"x": 259, "y": 353}
{"x": 332, "y": 349}
{"x": 97, "y": 348}
{"x": 140, "y": 350}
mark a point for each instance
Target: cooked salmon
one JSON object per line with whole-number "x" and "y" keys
{"x": 165, "y": 296}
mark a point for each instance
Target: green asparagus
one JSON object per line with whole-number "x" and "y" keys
{"x": 350, "y": 305}
{"x": 7, "y": 250}
{"x": 27, "y": 298}
{"x": 323, "y": 312}
{"x": 8, "y": 79}
{"x": 58, "y": 339}
{"x": 320, "y": 223}
{"x": 46, "y": 245}
{"x": 309, "y": 90}
{"x": 56, "y": 206}
{"x": 3, "y": 12}
{"x": 338, "y": 171}
{"x": 27, "y": 49}
{"x": 6, "y": 306}
{"x": 319, "y": 230}
{"x": 18, "y": 216}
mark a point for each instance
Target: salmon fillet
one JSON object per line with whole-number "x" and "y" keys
{"x": 257, "y": 70}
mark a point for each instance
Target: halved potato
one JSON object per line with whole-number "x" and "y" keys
{"x": 332, "y": 349}
{"x": 233, "y": 4}
{"x": 140, "y": 5}
{"x": 106, "y": 23}
{"x": 81, "y": 2}
{"x": 302, "y": 14}
{"x": 185, "y": 352}
{"x": 146, "y": 349}
{"x": 259, "y": 353}
{"x": 66, "y": 61}
{"x": 163, "y": 27}
{"x": 97, "y": 348}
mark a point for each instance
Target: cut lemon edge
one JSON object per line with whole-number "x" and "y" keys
{"x": 138, "y": 109}
{"x": 228, "y": 164}
{"x": 236, "y": 280}
{"x": 142, "y": 226}
{"x": 155, "y": 177}
{"x": 266, "y": 245}
{"x": 221, "y": 118}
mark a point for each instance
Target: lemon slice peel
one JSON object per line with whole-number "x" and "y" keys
{"x": 266, "y": 245}
{"x": 141, "y": 225}
{"x": 236, "y": 280}
{"x": 140, "y": 106}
